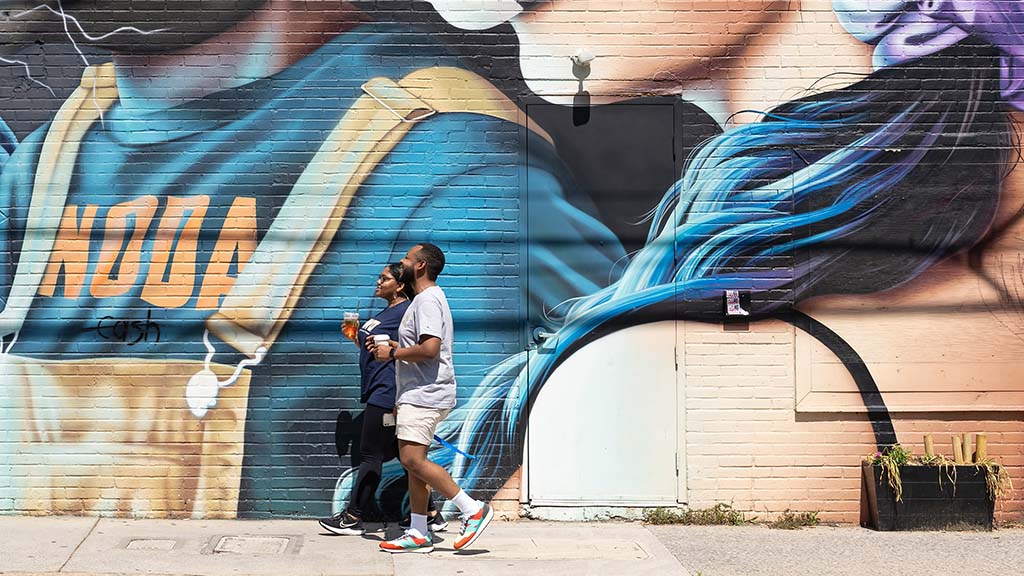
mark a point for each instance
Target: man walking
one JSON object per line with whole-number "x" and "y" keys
{"x": 425, "y": 381}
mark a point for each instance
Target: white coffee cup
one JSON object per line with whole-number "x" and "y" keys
{"x": 381, "y": 340}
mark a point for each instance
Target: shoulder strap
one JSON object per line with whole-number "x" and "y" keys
{"x": 94, "y": 95}
{"x": 259, "y": 304}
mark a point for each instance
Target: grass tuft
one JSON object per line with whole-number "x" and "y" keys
{"x": 890, "y": 460}
{"x": 794, "y": 520}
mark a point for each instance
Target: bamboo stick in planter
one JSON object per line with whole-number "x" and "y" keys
{"x": 929, "y": 448}
{"x": 981, "y": 450}
{"x": 958, "y": 450}
{"x": 968, "y": 449}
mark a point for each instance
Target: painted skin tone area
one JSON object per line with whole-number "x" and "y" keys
{"x": 239, "y": 42}
{"x": 746, "y": 55}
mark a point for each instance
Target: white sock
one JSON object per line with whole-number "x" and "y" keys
{"x": 419, "y": 524}
{"x": 466, "y": 504}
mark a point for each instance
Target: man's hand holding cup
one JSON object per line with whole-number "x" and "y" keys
{"x": 384, "y": 347}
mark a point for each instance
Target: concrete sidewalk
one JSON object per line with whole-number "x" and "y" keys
{"x": 843, "y": 551}
{"x": 54, "y": 545}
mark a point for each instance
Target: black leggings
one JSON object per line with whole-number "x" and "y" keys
{"x": 377, "y": 445}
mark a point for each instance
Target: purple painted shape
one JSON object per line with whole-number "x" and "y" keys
{"x": 903, "y": 30}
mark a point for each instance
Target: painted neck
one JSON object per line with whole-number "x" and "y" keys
{"x": 765, "y": 73}
{"x": 270, "y": 40}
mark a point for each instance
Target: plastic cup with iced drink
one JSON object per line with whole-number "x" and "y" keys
{"x": 350, "y": 325}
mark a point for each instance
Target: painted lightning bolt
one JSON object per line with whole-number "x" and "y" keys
{"x": 65, "y": 19}
{"x": 28, "y": 72}
{"x": 68, "y": 18}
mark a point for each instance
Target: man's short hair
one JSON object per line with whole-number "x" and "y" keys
{"x": 433, "y": 257}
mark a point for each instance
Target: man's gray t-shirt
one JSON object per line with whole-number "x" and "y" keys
{"x": 431, "y": 383}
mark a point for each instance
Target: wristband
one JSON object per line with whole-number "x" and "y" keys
{"x": 392, "y": 353}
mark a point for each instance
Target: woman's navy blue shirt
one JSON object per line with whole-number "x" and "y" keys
{"x": 377, "y": 379}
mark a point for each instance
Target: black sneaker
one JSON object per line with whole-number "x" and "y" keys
{"x": 343, "y": 524}
{"x": 435, "y": 523}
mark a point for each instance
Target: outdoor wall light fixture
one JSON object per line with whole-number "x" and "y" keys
{"x": 581, "y": 70}
{"x": 582, "y": 58}
{"x": 486, "y": 14}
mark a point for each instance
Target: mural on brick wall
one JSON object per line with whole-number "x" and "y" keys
{"x": 187, "y": 221}
{"x": 822, "y": 194}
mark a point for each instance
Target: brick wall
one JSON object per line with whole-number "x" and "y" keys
{"x": 161, "y": 163}
{"x": 746, "y": 443}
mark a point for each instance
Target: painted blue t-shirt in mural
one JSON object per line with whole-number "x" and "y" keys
{"x": 163, "y": 210}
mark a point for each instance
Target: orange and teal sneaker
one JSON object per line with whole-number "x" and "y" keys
{"x": 473, "y": 526}
{"x": 409, "y": 542}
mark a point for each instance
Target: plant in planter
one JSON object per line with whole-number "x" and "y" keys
{"x": 900, "y": 491}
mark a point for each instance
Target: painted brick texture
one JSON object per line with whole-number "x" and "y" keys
{"x": 193, "y": 194}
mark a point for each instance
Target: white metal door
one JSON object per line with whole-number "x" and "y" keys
{"x": 603, "y": 431}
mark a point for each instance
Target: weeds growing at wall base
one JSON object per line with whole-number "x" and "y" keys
{"x": 725, "y": 515}
{"x": 718, "y": 515}
{"x": 789, "y": 520}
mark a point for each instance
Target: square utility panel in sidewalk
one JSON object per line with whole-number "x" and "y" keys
{"x": 253, "y": 545}
{"x": 151, "y": 544}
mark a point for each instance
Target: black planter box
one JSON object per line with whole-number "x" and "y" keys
{"x": 930, "y": 501}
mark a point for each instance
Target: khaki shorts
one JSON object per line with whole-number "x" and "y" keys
{"x": 418, "y": 423}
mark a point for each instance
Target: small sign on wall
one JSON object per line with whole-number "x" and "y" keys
{"x": 737, "y": 310}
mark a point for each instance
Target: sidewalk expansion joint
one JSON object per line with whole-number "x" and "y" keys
{"x": 95, "y": 522}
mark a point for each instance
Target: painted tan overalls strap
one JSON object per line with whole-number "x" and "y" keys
{"x": 94, "y": 95}
{"x": 263, "y": 297}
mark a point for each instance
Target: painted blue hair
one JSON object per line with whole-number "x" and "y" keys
{"x": 851, "y": 191}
